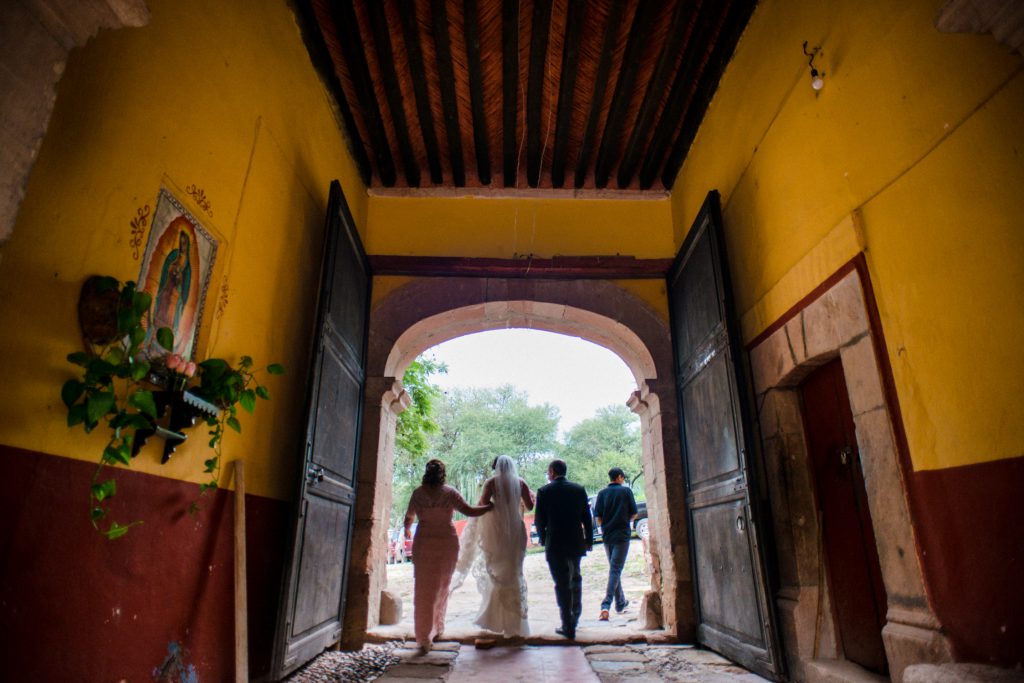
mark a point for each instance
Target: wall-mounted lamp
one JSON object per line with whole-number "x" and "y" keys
{"x": 817, "y": 77}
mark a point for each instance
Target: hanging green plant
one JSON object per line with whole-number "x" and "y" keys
{"x": 130, "y": 386}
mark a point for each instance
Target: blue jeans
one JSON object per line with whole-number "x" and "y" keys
{"x": 616, "y": 553}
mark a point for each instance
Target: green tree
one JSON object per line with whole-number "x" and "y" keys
{"x": 416, "y": 423}
{"x": 415, "y": 426}
{"x": 476, "y": 425}
{"x": 609, "y": 439}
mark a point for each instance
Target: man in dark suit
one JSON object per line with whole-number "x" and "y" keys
{"x": 565, "y": 529}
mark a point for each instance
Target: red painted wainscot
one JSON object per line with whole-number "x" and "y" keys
{"x": 971, "y": 534}
{"x": 76, "y": 607}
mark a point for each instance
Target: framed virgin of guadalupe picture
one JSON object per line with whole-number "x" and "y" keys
{"x": 177, "y": 267}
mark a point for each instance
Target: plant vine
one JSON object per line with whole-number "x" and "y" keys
{"x": 127, "y": 383}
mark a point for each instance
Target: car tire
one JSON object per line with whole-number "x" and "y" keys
{"x": 641, "y": 529}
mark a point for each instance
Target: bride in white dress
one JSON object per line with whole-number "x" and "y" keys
{"x": 492, "y": 548}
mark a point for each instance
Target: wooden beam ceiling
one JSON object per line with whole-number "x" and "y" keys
{"x": 604, "y": 91}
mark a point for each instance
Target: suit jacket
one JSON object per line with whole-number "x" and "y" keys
{"x": 563, "y": 519}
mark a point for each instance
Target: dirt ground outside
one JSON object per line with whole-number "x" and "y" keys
{"x": 543, "y": 610}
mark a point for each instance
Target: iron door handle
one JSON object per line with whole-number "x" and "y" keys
{"x": 316, "y": 474}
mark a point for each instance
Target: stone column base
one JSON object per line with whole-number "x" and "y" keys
{"x": 913, "y": 637}
{"x": 650, "y": 611}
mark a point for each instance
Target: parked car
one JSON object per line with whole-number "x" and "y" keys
{"x": 394, "y": 539}
{"x": 399, "y": 547}
{"x": 640, "y": 523}
{"x": 407, "y": 543}
{"x": 598, "y": 535}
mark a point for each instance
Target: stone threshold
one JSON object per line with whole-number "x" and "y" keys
{"x": 583, "y": 638}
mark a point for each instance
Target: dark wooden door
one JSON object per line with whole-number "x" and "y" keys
{"x": 313, "y": 598}
{"x": 733, "y": 609}
{"x": 854, "y": 573}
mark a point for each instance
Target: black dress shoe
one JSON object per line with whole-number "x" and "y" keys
{"x": 571, "y": 635}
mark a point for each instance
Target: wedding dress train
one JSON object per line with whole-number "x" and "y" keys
{"x": 492, "y": 549}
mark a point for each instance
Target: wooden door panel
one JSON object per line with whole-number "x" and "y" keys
{"x": 734, "y": 612}
{"x": 348, "y": 312}
{"x": 724, "y": 581}
{"x": 337, "y": 411}
{"x": 313, "y": 592}
{"x": 323, "y": 546}
{"x": 698, "y": 301}
{"x": 710, "y": 427}
{"x": 857, "y": 593}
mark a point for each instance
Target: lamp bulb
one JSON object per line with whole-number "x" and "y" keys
{"x": 817, "y": 82}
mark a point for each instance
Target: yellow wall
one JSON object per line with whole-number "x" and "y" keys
{"x": 513, "y": 227}
{"x": 911, "y": 151}
{"x": 218, "y": 95}
{"x": 651, "y": 292}
{"x": 489, "y": 227}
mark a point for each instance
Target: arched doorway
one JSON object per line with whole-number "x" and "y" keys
{"x": 425, "y": 312}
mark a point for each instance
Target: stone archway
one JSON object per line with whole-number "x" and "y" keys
{"x": 428, "y": 311}
{"x": 46, "y": 32}
{"x": 836, "y": 323}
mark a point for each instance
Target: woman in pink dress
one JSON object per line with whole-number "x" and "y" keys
{"x": 435, "y": 549}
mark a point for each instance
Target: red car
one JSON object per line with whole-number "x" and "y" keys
{"x": 399, "y": 548}
{"x": 402, "y": 546}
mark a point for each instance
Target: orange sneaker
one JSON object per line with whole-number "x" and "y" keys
{"x": 604, "y": 615}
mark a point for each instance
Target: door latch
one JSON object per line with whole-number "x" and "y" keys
{"x": 314, "y": 475}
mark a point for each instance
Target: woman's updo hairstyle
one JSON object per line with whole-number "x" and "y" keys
{"x": 434, "y": 475}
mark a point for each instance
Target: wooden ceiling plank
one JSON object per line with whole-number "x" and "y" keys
{"x": 411, "y": 34}
{"x": 600, "y": 84}
{"x": 566, "y": 89}
{"x": 471, "y": 17}
{"x": 679, "y": 93}
{"x": 535, "y": 89}
{"x": 638, "y": 35}
{"x": 510, "y": 87}
{"x": 724, "y": 44}
{"x": 320, "y": 55}
{"x": 344, "y": 16}
{"x": 678, "y": 36}
{"x": 575, "y": 267}
{"x": 393, "y": 92}
{"x": 442, "y": 43}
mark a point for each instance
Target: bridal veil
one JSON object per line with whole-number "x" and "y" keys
{"x": 492, "y": 548}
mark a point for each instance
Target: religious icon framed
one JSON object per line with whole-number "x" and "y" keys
{"x": 177, "y": 267}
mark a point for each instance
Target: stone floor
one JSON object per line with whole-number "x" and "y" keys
{"x": 454, "y": 663}
{"x": 464, "y": 602}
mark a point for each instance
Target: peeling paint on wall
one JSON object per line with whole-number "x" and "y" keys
{"x": 174, "y": 668}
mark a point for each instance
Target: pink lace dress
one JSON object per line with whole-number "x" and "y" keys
{"x": 435, "y": 549}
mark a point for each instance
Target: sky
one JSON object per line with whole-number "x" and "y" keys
{"x": 576, "y": 376}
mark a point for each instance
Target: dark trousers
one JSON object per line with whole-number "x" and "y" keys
{"x": 616, "y": 553}
{"x": 565, "y": 571}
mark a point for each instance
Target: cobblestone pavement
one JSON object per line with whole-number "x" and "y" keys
{"x": 349, "y": 667}
{"x": 638, "y": 663}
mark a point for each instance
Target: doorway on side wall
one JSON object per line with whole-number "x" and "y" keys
{"x": 848, "y": 540}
